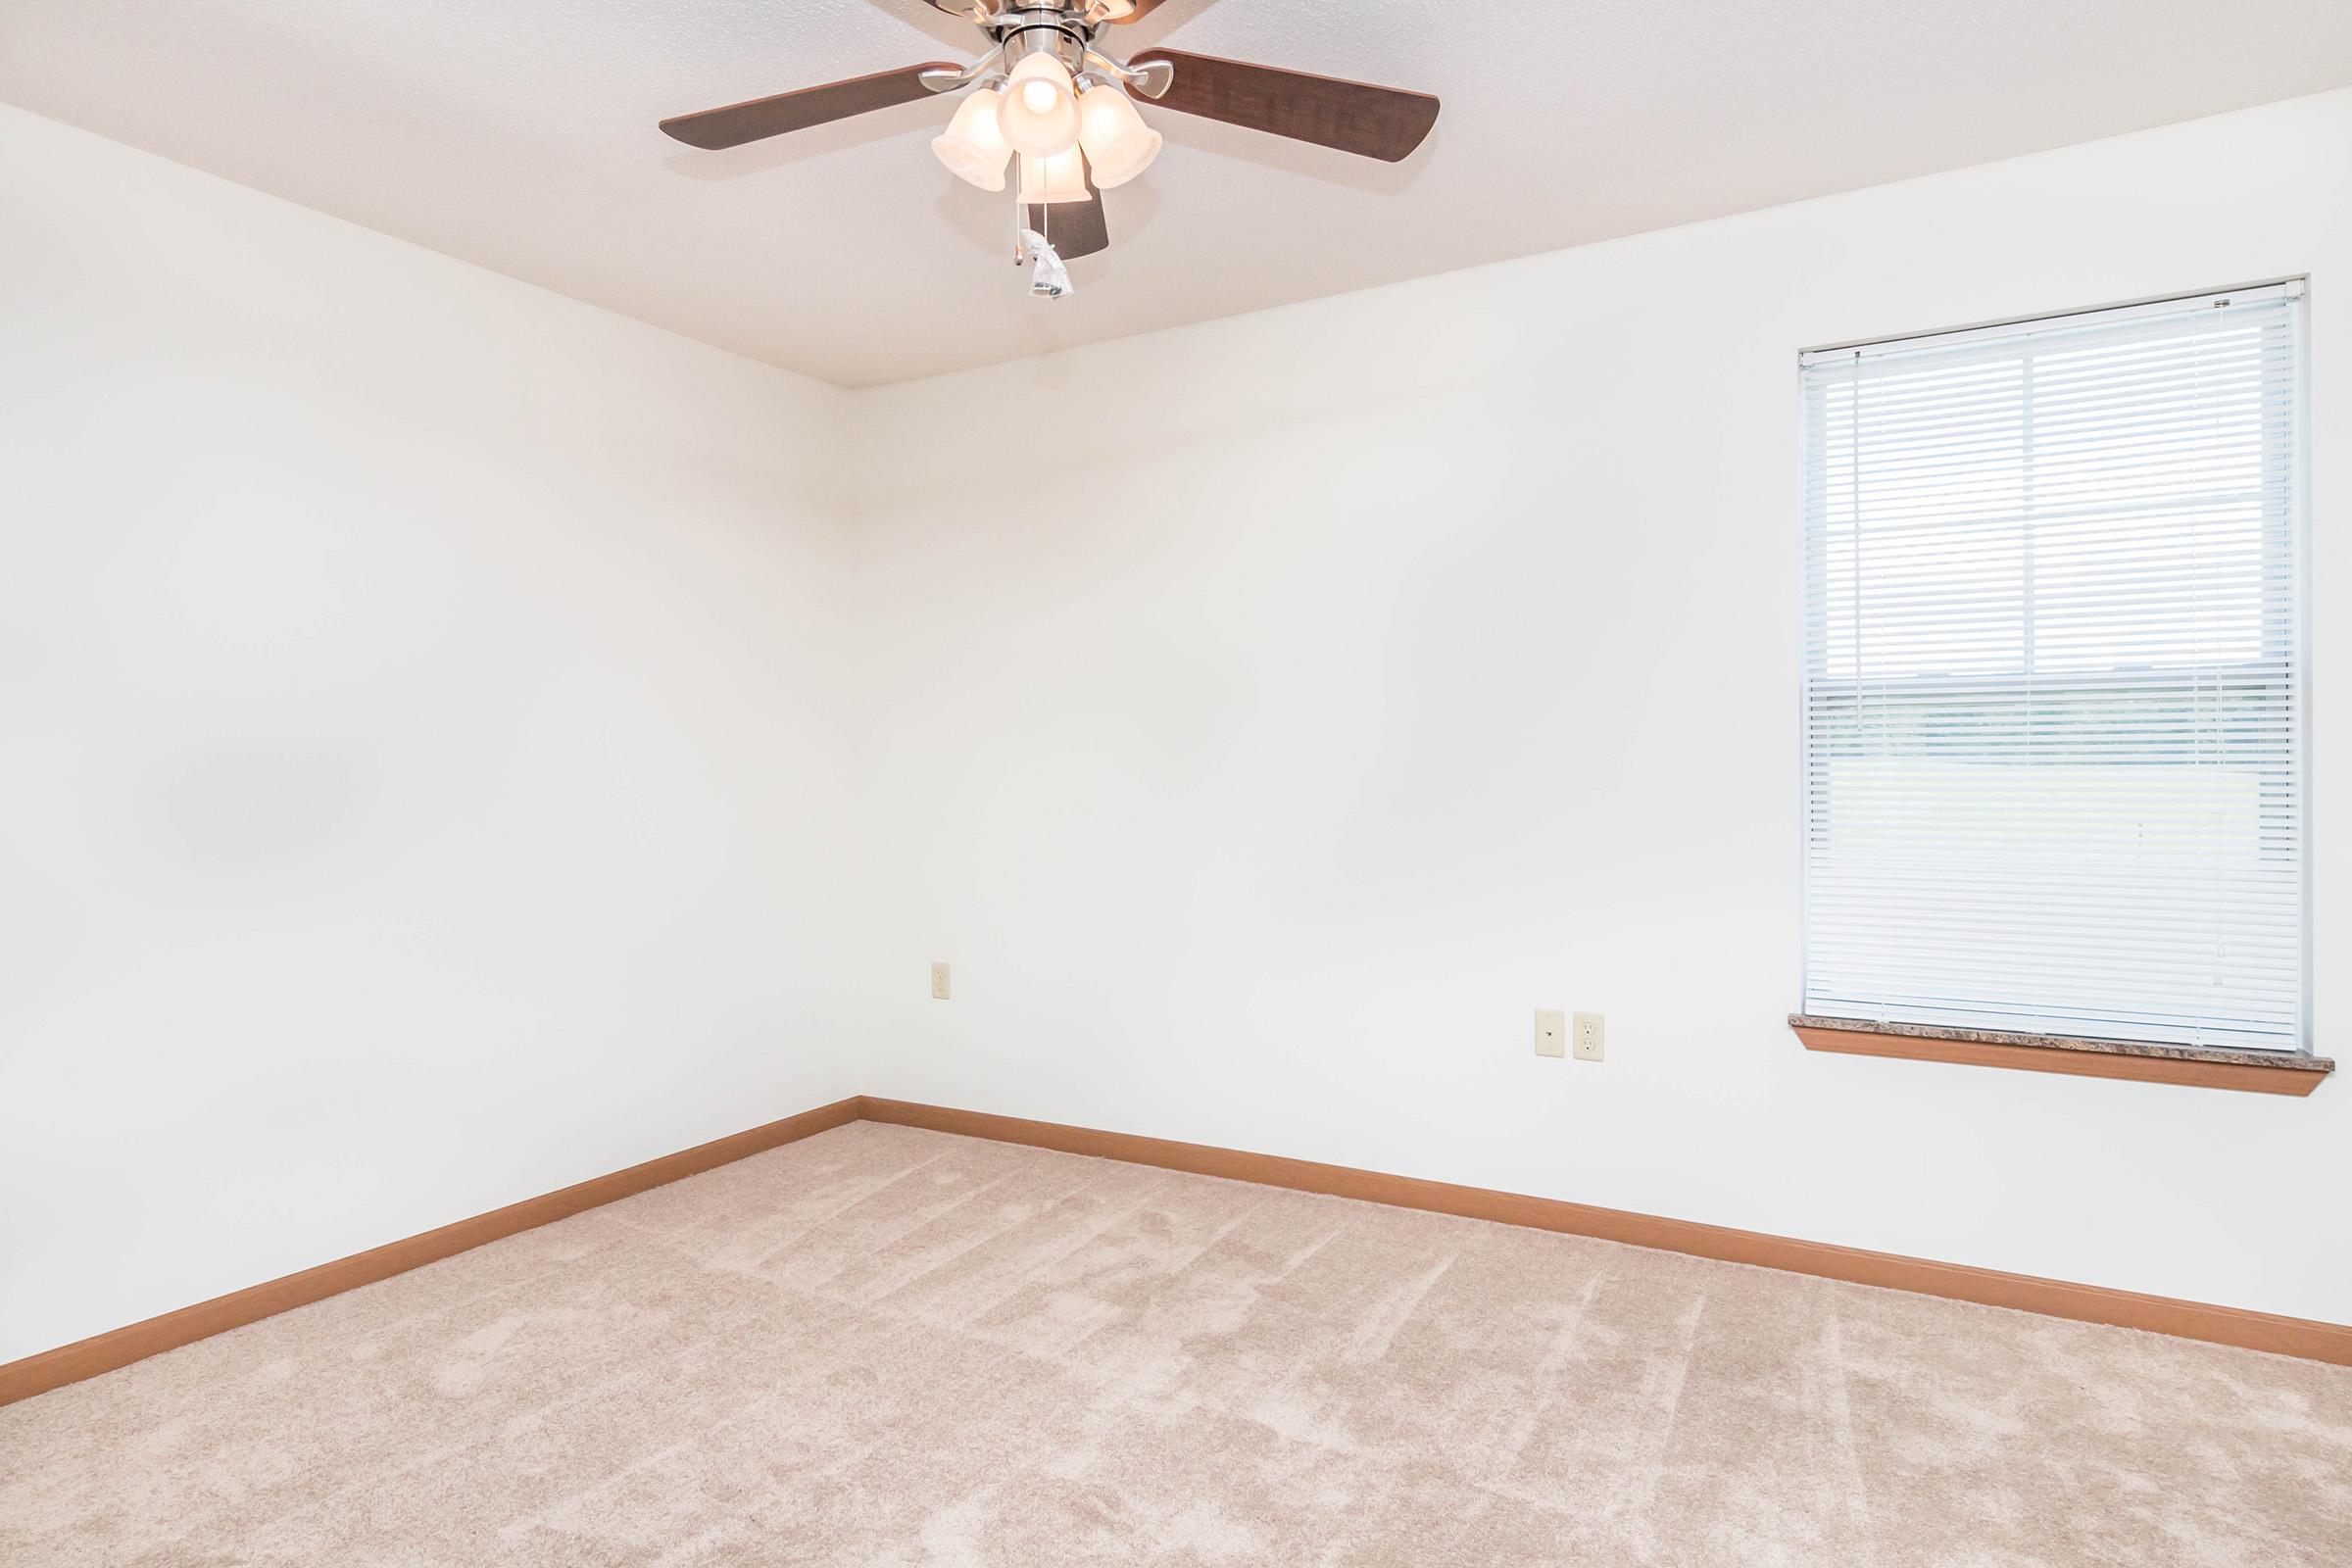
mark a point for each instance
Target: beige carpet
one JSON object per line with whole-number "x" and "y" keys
{"x": 882, "y": 1347}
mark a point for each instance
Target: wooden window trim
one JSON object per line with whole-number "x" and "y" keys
{"x": 2199, "y": 1066}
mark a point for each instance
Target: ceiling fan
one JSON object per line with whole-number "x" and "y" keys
{"x": 1051, "y": 104}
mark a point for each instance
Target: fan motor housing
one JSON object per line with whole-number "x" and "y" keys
{"x": 1081, "y": 18}
{"x": 1034, "y": 29}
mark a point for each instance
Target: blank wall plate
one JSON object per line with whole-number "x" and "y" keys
{"x": 1551, "y": 1032}
{"x": 939, "y": 982}
{"x": 1587, "y": 1037}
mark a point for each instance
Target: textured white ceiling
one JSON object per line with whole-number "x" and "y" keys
{"x": 520, "y": 135}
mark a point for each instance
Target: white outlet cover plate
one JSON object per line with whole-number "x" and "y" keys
{"x": 1589, "y": 1037}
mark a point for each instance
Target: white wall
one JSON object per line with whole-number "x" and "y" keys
{"x": 459, "y": 742}
{"x": 424, "y": 761}
{"x": 1395, "y": 665}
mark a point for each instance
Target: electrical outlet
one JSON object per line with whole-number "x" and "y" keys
{"x": 939, "y": 982}
{"x": 1587, "y": 1037}
{"x": 1551, "y": 1032}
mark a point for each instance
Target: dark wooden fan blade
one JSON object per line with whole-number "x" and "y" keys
{"x": 1383, "y": 122}
{"x": 763, "y": 118}
{"x": 1072, "y": 228}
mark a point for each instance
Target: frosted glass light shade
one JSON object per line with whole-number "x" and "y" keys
{"x": 1040, "y": 111}
{"x": 973, "y": 146}
{"x": 1059, "y": 178}
{"x": 1119, "y": 144}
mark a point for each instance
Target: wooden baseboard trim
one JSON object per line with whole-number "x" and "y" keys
{"x": 2087, "y": 1303}
{"x": 87, "y": 1358}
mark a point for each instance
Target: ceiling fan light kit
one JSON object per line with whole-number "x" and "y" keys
{"x": 1038, "y": 108}
{"x": 1042, "y": 93}
{"x": 1055, "y": 180}
{"x": 1119, "y": 144}
{"x": 973, "y": 146}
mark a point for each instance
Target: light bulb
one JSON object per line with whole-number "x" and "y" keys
{"x": 1058, "y": 179}
{"x": 1039, "y": 114}
{"x": 1119, "y": 144}
{"x": 973, "y": 146}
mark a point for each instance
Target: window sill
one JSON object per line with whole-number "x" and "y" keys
{"x": 2200, "y": 1066}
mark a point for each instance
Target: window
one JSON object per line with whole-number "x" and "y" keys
{"x": 2052, "y": 684}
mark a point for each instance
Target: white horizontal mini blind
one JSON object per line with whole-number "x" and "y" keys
{"x": 2052, "y": 750}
